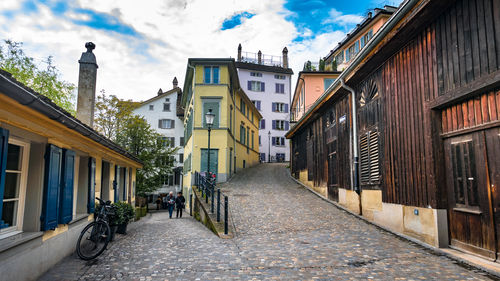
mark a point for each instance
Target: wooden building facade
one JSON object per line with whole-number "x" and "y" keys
{"x": 428, "y": 108}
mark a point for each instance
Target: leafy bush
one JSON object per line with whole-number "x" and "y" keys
{"x": 124, "y": 213}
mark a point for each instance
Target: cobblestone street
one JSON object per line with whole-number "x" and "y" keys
{"x": 283, "y": 232}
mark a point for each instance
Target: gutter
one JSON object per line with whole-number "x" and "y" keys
{"x": 33, "y": 100}
{"x": 406, "y": 6}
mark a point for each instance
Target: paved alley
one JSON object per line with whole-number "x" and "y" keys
{"x": 283, "y": 232}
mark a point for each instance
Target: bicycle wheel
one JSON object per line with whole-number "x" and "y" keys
{"x": 93, "y": 240}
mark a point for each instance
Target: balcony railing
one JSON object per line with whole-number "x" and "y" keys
{"x": 265, "y": 59}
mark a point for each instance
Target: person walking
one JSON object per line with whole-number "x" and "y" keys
{"x": 180, "y": 204}
{"x": 164, "y": 205}
{"x": 170, "y": 203}
{"x": 158, "y": 202}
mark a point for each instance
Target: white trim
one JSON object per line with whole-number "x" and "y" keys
{"x": 22, "y": 186}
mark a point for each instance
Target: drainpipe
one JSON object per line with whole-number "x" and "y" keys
{"x": 356, "y": 186}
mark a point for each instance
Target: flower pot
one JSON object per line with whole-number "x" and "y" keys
{"x": 113, "y": 230}
{"x": 122, "y": 228}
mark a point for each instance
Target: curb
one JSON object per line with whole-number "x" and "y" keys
{"x": 434, "y": 250}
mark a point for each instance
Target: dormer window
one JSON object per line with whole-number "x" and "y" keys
{"x": 211, "y": 75}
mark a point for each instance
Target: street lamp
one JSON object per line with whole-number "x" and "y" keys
{"x": 209, "y": 120}
{"x": 269, "y": 150}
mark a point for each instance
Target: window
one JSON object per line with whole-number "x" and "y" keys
{"x": 280, "y": 107}
{"x": 181, "y": 141}
{"x": 242, "y": 107}
{"x": 166, "y": 124}
{"x": 171, "y": 141}
{"x": 181, "y": 157}
{"x": 214, "y": 106}
{"x": 256, "y": 74}
{"x": 151, "y": 107}
{"x": 369, "y": 158}
{"x": 256, "y": 103}
{"x": 231, "y": 118}
{"x": 262, "y": 124}
{"x": 366, "y": 38}
{"x": 242, "y": 134}
{"x": 15, "y": 186}
{"x": 253, "y": 136}
{"x": 167, "y": 100}
{"x": 278, "y": 141}
{"x": 280, "y": 125}
{"x": 280, "y": 157}
{"x": 166, "y": 107}
{"x": 256, "y": 86}
{"x": 281, "y": 77}
{"x": 340, "y": 58}
{"x": 187, "y": 165}
{"x": 280, "y": 88}
{"x": 347, "y": 55}
{"x": 327, "y": 82}
{"x": 262, "y": 157}
{"x": 211, "y": 75}
{"x": 352, "y": 51}
{"x": 463, "y": 160}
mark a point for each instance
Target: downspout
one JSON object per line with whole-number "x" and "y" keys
{"x": 355, "y": 151}
{"x": 192, "y": 133}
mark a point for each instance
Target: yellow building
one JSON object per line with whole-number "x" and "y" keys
{"x": 212, "y": 84}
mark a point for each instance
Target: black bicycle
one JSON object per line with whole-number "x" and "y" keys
{"x": 96, "y": 235}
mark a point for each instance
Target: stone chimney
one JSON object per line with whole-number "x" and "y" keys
{"x": 86, "y": 86}
{"x": 239, "y": 52}
{"x": 175, "y": 83}
{"x": 160, "y": 92}
{"x": 259, "y": 57}
{"x": 285, "y": 57}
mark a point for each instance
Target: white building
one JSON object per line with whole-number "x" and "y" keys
{"x": 163, "y": 113}
{"x": 267, "y": 82}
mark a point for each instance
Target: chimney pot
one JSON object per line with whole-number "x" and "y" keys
{"x": 175, "y": 82}
{"x": 285, "y": 57}
{"x": 160, "y": 91}
{"x": 86, "y": 86}
{"x": 259, "y": 57}
{"x": 239, "y": 52}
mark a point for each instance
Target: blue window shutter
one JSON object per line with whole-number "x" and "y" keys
{"x": 67, "y": 180}
{"x": 287, "y": 125}
{"x": 206, "y": 78}
{"x": 215, "y": 75}
{"x": 262, "y": 87}
{"x": 115, "y": 183}
{"x": 274, "y": 107}
{"x": 52, "y": 181}
{"x": 286, "y": 107}
{"x": 274, "y": 124}
{"x": 4, "y": 147}
{"x": 263, "y": 124}
{"x": 91, "y": 187}
{"x": 274, "y": 140}
{"x": 125, "y": 184}
{"x": 249, "y": 85}
{"x": 258, "y": 105}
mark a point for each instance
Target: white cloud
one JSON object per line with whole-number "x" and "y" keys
{"x": 339, "y": 18}
{"x": 9, "y": 4}
{"x": 170, "y": 32}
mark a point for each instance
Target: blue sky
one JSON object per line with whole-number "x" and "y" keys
{"x": 142, "y": 45}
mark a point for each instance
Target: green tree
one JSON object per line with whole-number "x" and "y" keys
{"x": 45, "y": 81}
{"x": 151, "y": 148}
{"x": 112, "y": 114}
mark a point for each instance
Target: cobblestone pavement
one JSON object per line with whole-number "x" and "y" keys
{"x": 283, "y": 231}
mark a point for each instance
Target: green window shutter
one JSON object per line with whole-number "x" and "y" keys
{"x": 4, "y": 147}
{"x": 214, "y": 106}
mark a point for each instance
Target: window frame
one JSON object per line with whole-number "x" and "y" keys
{"x": 279, "y": 88}
{"x": 165, "y": 104}
{"x": 23, "y": 180}
{"x": 151, "y": 107}
{"x": 256, "y": 74}
{"x": 211, "y": 67}
{"x": 254, "y": 84}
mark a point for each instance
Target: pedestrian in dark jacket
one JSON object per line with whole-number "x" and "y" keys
{"x": 180, "y": 204}
{"x": 158, "y": 202}
{"x": 170, "y": 203}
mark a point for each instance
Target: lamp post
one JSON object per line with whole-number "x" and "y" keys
{"x": 209, "y": 120}
{"x": 269, "y": 150}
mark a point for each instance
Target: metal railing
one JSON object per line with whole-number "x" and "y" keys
{"x": 265, "y": 59}
{"x": 214, "y": 198}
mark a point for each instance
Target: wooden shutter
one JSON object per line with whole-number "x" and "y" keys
{"x": 274, "y": 107}
{"x": 67, "y": 180}
{"x": 273, "y": 140}
{"x": 172, "y": 124}
{"x": 274, "y": 124}
{"x": 91, "y": 186}
{"x": 258, "y": 104}
{"x": 4, "y": 147}
{"x": 369, "y": 158}
{"x": 286, "y": 107}
{"x": 262, "y": 87}
{"x": 53, "y": 158}
{"x": 249, "y": 85}
{"x": 287, "y": 126}
{"x": 159, "y": 123}
{"x": 125, "y": 177}
{"x": 263, "y": 124}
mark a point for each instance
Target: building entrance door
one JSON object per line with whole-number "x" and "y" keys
{"x": 214, "y": 153}
{"x": 473, "y": 200}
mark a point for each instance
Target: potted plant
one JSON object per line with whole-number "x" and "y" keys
{"x": 124, "y": 213}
